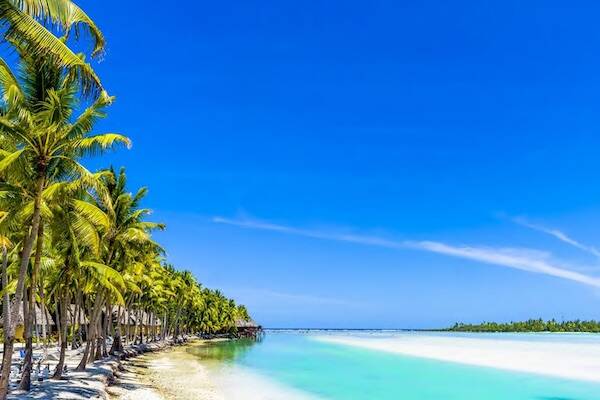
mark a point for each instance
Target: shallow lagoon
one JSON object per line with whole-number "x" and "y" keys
{"x": 297, "y": 365}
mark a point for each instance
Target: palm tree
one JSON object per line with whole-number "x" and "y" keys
{"x": 26, "y": 24}
{"x": 125, "y": 237}
{"x": 66, "y": 233}
{"x": 43, "y": 143}
{"x": 75, "y": 237}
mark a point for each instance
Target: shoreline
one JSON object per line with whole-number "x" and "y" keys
{"x": 103, "y": 379}
{"x": 557, "y": 359}
{"x": 157, "y": 376}
{"x": 167, "y": 376}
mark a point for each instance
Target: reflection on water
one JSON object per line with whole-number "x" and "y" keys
{"x": 225, "y": 351}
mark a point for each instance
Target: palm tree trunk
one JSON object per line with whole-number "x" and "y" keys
{"x": 135, "y": 327}
{"x": 36, "y": 326}
{"x": 99, "y": 334}
{"x": 105, "y": 329}
{"x": 127, "y": 327}
{"x": 154, "y": 327}
{"x": 98, "y": 354}
{"x": 45, "y": 321}
{"x": 141, "y": 313}
{"x": 9, "y": 336}
{"x": 86, "y": 352}
{"x": 57, "y": 316}
{"x": 91, "y": 334}
{"x": 28, "y": 321}
{"x": 74, "y": 324}
{"x": 27, "y": 248}
{"x": 176, "y": 322}
{"x": 94, "y": 332}
{"x": 117, "y": 345}
{"x": 81, "y": 317}
{"x": 63, "y": 335}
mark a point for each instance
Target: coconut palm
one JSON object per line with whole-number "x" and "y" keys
{"x": 75, "y": 229}
{"x": 27, "y": 25}
{"x": 125, "y": 238}
{"x": 67, "y": 234}
{"x": 43, "y": 143}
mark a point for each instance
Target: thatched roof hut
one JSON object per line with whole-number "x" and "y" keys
{"x": 243, "y": 324}
{"x": 125, "y": 318}
{"x": 38, "y": 317}
{"x": 80, "y": 319}
{"x": 149, "y": 319}
{"x": 134, "y": 317}
{"x": 247, "y": 328}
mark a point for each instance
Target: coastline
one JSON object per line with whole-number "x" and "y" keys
{"x": 105, "y": 379}
{"x": 558, "y": 359}
{"x": 167, "y": 376}
{"x": 158, "y": 376}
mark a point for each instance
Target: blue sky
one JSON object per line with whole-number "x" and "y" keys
{"x": 367, "y": 164}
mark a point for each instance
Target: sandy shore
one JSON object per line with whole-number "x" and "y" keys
{"x": 96, "y": 381}
{"x": 130, "y": 386}
{"x": 167, "y": 375}
{"x": 561, "y": 359}
{"x": 177, "y": 374}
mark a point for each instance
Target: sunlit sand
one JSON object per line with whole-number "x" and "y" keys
{"x": 179, "y": 375}
{"x": 561, "y": 359}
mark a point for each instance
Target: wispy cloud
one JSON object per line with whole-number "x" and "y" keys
{"x": 558, "y": 235}
{"x": 340, "y": 237}
{"x": 517, "y": 258}
{"x": 523, "y": 259}
{"x": 309, "y": 299}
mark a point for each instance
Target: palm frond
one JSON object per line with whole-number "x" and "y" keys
{"x": 12, "y": 94}
{"x": 9, "y": 159}
{"x": 94, "y": 214}
{"x": 97, "y": 144}
{"x": 31, "y": 36}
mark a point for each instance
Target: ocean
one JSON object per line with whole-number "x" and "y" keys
{"x": 312, "y": 365}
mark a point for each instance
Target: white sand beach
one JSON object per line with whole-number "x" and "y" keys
{"x": 237, "y": 383}
{"x": 175, "y": 374}
{"x": 580, "y": 361}
{"x": 103, "y": 379}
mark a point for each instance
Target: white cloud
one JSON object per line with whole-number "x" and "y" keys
{"x": 523, "y": 259}
{"x": 529, "y": 260}
{"x": 558, "y": 235}
{"x": 340, "y": 237}
{"x": 270, "y": 296}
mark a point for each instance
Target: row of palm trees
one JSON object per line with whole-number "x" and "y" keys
{"x": 73, "y": 240}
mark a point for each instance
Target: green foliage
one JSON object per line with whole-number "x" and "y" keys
{"x": 83, "y": 233}
{"x": 531, "y": 325}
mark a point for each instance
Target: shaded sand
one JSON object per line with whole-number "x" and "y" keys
{"x": 90, "y": 384}
{"x": 565, "y": 359}
{"x": 94, "y": 383}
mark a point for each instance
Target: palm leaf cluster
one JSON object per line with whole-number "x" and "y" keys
{"x": 74, "y": 243}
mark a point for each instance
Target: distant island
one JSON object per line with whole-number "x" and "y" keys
{"x": 531, "y": 325}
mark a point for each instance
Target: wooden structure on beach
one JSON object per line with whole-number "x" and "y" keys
{"x": 247, "y": 329}
{"x": 134, "y": 320}
{"x": 43, "y": 321}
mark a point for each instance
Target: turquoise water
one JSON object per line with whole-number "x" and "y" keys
{"x": 336, "y": 372}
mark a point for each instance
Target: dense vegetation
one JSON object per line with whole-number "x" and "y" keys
{"x": 532, "y": 325}
{"x": 74, "y": 241}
